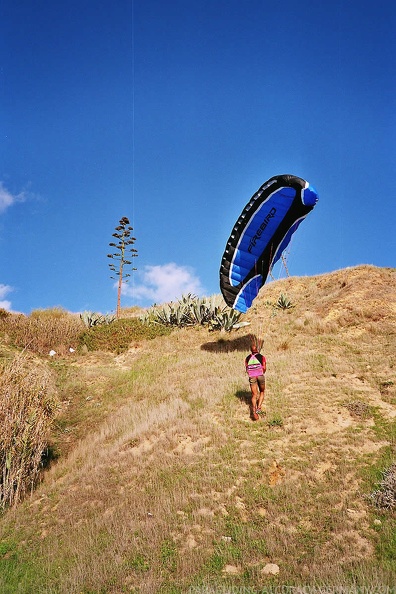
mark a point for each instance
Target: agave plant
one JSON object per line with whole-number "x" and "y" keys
{"x": 226, "y": 319}
{"x": 201, "y": 311}
{"x": 283, "y": 302}
{"x": 162, "y": 315}
{"x": 91, "y": 318}
{"x": 191, "y": 310}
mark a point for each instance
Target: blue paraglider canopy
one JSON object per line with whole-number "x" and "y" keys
{"x": 260, "y": 235}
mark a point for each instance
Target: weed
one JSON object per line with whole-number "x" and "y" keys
{"x": 138, "y": 563}
{"x": 168, "y": 555}
{"x": 388, "y": 391}
{"x": 230, "y": 551}
{"x": 383, "y": 428}
{"x": 320, "y": 362}
{"x": 275, "y": 421}
{"x": 386, "y": 545}
{"x": 283, "y": 346}
{"x": 385, "y": 386}
{"x": 215, "y": 563}
{"x": 170, "y": 588}
{"x": 7, "y": 548}
{"x": 260, "y": 546}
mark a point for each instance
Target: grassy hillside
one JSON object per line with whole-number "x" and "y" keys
{"x": 164, "y": 484}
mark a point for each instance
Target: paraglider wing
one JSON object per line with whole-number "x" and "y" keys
{"x": 261, "y": 234}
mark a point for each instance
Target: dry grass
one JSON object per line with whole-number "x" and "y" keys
{"x": 42, "y": 331}
{"x": 177, "y": 490}
{"x": 28, "y": 404}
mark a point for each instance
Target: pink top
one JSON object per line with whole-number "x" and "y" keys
{"x": 255, "y": 365}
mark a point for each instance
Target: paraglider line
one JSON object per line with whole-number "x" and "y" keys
{"x": 133, "y": 122}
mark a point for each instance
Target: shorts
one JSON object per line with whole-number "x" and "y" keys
{"x": 260, "y": 380}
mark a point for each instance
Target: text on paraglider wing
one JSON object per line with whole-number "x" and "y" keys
{"x": 260, "y": 230}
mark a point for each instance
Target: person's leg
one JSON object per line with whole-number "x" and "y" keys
{"x": 261, "y": 395}
{"x": 253, "y": 407}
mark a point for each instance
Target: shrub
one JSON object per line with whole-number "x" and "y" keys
{"x": 4, "y": 314}
{"x": 385, "y": 496}
{"x": 359, "y": 409}
{"x": 117, "y": 336}
{"x": 42, "y": 330}
{"x": 28, "y": 404}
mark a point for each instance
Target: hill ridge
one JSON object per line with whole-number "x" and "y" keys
{"x": 179, "y": 490}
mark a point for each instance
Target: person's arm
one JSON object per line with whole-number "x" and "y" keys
{"x": 264, "y": 364}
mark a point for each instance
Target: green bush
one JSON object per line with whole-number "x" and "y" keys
{"x": 118, "y": 336}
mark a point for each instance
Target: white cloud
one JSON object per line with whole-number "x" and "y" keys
{"x": 7, "y": 199}
{"x": 4, "y": 303}
{"x": 160, "y": 284}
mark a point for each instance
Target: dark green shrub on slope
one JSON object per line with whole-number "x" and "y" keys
{"x": 118, "y": 336}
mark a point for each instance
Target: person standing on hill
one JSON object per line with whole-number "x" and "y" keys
{"x": 256, "y": 366}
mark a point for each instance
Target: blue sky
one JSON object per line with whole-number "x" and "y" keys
{"x": 173, "y": 113}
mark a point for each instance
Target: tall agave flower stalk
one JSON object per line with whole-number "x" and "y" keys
{"x": 124, "y": 251}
